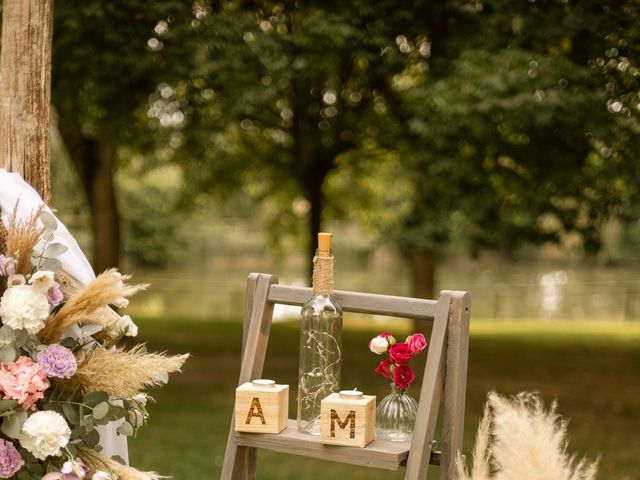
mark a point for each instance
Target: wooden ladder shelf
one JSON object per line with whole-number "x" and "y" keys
{"x": 445, "y": 378}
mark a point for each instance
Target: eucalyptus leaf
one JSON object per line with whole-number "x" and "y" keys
{"x": 100, "y": 411}
{"x": 125, "y": 429}
{"x": 91, "y": 438}
{"x": 7, "y": 405}
{"x": 49, "y": 223}
{"x": 54, "y": 249}
{"x": 11, "y": 426}
{"x": 51, "y": 264}
{"x": 94, "y": 398}
{"x": 71, "y": 412}
{"x": 7, "y": 354}
{"x": 91, "y": 329}
{"x": 21, "y": 338}
{"x": 7, "y": 335}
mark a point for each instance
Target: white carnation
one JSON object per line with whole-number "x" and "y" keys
{"x": 23, "y": 306}
{"x": 44, "y": 434}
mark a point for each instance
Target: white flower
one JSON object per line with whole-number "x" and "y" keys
{"x": 100, "y": 475}
{"x": 141, "y": 398}
{"x": 23, "y": 306}
{"x": 126, "y": 324}
{"x": 378, "y": 345}
{"x": 44, "y": 434}
{"x": 42, "y": 281}
{"x": 16, "y": 279}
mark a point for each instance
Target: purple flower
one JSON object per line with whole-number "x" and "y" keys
{"x": 55, "y": 295}
{"x": 57, "y": 361}
{"x": 74, "y": 470}
{"x": 7, "y": 266}
{"x": 10, "y": 459}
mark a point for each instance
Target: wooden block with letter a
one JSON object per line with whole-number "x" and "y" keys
{"x": 262, "y": 407}
{"x": 348, "y": 418}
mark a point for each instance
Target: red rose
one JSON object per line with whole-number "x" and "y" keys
{"x": 417, "y": 343}
{"x": 384, "y": 368}
{"x": 403, "y": 376}
{"x": 400, "y": 353}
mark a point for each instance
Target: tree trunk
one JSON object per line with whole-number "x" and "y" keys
{"x": 25, "y": 91}
{"x": 313, "y": 190}
{"x": 423, "y": 269}
{"x": 94, "y": 161}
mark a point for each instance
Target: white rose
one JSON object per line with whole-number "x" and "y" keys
{"x": 24, "y": 307}
{"x": 378, "y": 345}
{"x": 127, "y": 325}
{"x": 42, "y": 281}
{"x": 44, "y": 434}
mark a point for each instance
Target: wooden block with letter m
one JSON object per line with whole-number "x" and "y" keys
{"x": 348, "y": 418}
{"x": 262, "y": 407}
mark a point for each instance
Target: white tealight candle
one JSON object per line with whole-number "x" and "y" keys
{"x": 350, "y": 394}
{"x": 264, "y": 383}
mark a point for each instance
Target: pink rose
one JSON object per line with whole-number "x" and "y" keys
{"x": 384, "y": 368}
{"x": 403, "y": 376}
{"x": 400, "y": 353}
{"x": 417, "y": 342}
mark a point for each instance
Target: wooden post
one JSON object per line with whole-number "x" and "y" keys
{"x": 25, "y": 91}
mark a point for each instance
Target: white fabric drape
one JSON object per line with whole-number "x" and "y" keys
{"x": 13, "y": 189}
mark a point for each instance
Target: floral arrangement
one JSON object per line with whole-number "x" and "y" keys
{"x": 395, "y": 366}
{"x": 62, "y": 373}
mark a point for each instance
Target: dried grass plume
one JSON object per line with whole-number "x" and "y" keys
{"x": 519, "y": 440}
{"x": 97, "y": 461}
{"x": 87, "y": 304}
{"x": 121, "y": 373}
{"x": 21, "y": 237}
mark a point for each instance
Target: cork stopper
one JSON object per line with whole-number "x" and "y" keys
{"x": 322, "y": 281}
{"x": 324, "y": 244}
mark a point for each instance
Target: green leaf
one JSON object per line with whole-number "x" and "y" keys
{"x": 7, "y": 335}
{"x": 94, "y": 398}
{"x": 51, "y": 264}
{"x": 49, "y": 223}
{"x": 7, "y": 405}
{"x": 125, "y": 429}
{"x": 54, "y": 250}
{"x": 71, "y": 412}
{"x": 11, "y": 426}
{"x": 100, "y": 411}
{"x": 116, "y": 412}
{"x": 91, "y": 439}
{"x": 7, "y": 354}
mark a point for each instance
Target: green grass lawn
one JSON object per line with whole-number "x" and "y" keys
{"x": 592, "y": 370}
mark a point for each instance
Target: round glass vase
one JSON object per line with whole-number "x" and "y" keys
{"x": 396, "y": 415}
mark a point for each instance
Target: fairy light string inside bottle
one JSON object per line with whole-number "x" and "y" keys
{"x": 320, "y": 341}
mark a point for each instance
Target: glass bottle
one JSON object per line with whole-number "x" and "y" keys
{"x": 320, "y": 341}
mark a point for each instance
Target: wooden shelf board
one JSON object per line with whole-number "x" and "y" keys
{"x": 378, "y": 454}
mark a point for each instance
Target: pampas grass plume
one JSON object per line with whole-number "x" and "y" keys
{"x": 21, "y": 237}
{"x": 87, "y": 303}
{"x": 519, "y": 440}
{"x": 97, "y": 461}
{"x": 121, "y": 373}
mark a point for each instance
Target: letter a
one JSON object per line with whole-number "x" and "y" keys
{"x": 255, "y": 411}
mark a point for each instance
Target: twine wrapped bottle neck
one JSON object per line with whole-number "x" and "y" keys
{"x": 322, "y": 281}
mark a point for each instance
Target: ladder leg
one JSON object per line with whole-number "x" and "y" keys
{"x": 455, "y": 382}
{"x": 240, "y": 462}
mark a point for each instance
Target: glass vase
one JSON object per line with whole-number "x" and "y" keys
{"x": 396, "y": 415}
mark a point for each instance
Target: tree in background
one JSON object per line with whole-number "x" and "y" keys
{"x": 107, "y": 61}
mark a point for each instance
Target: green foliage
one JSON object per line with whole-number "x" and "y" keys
{"x": 155, "y": 231}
